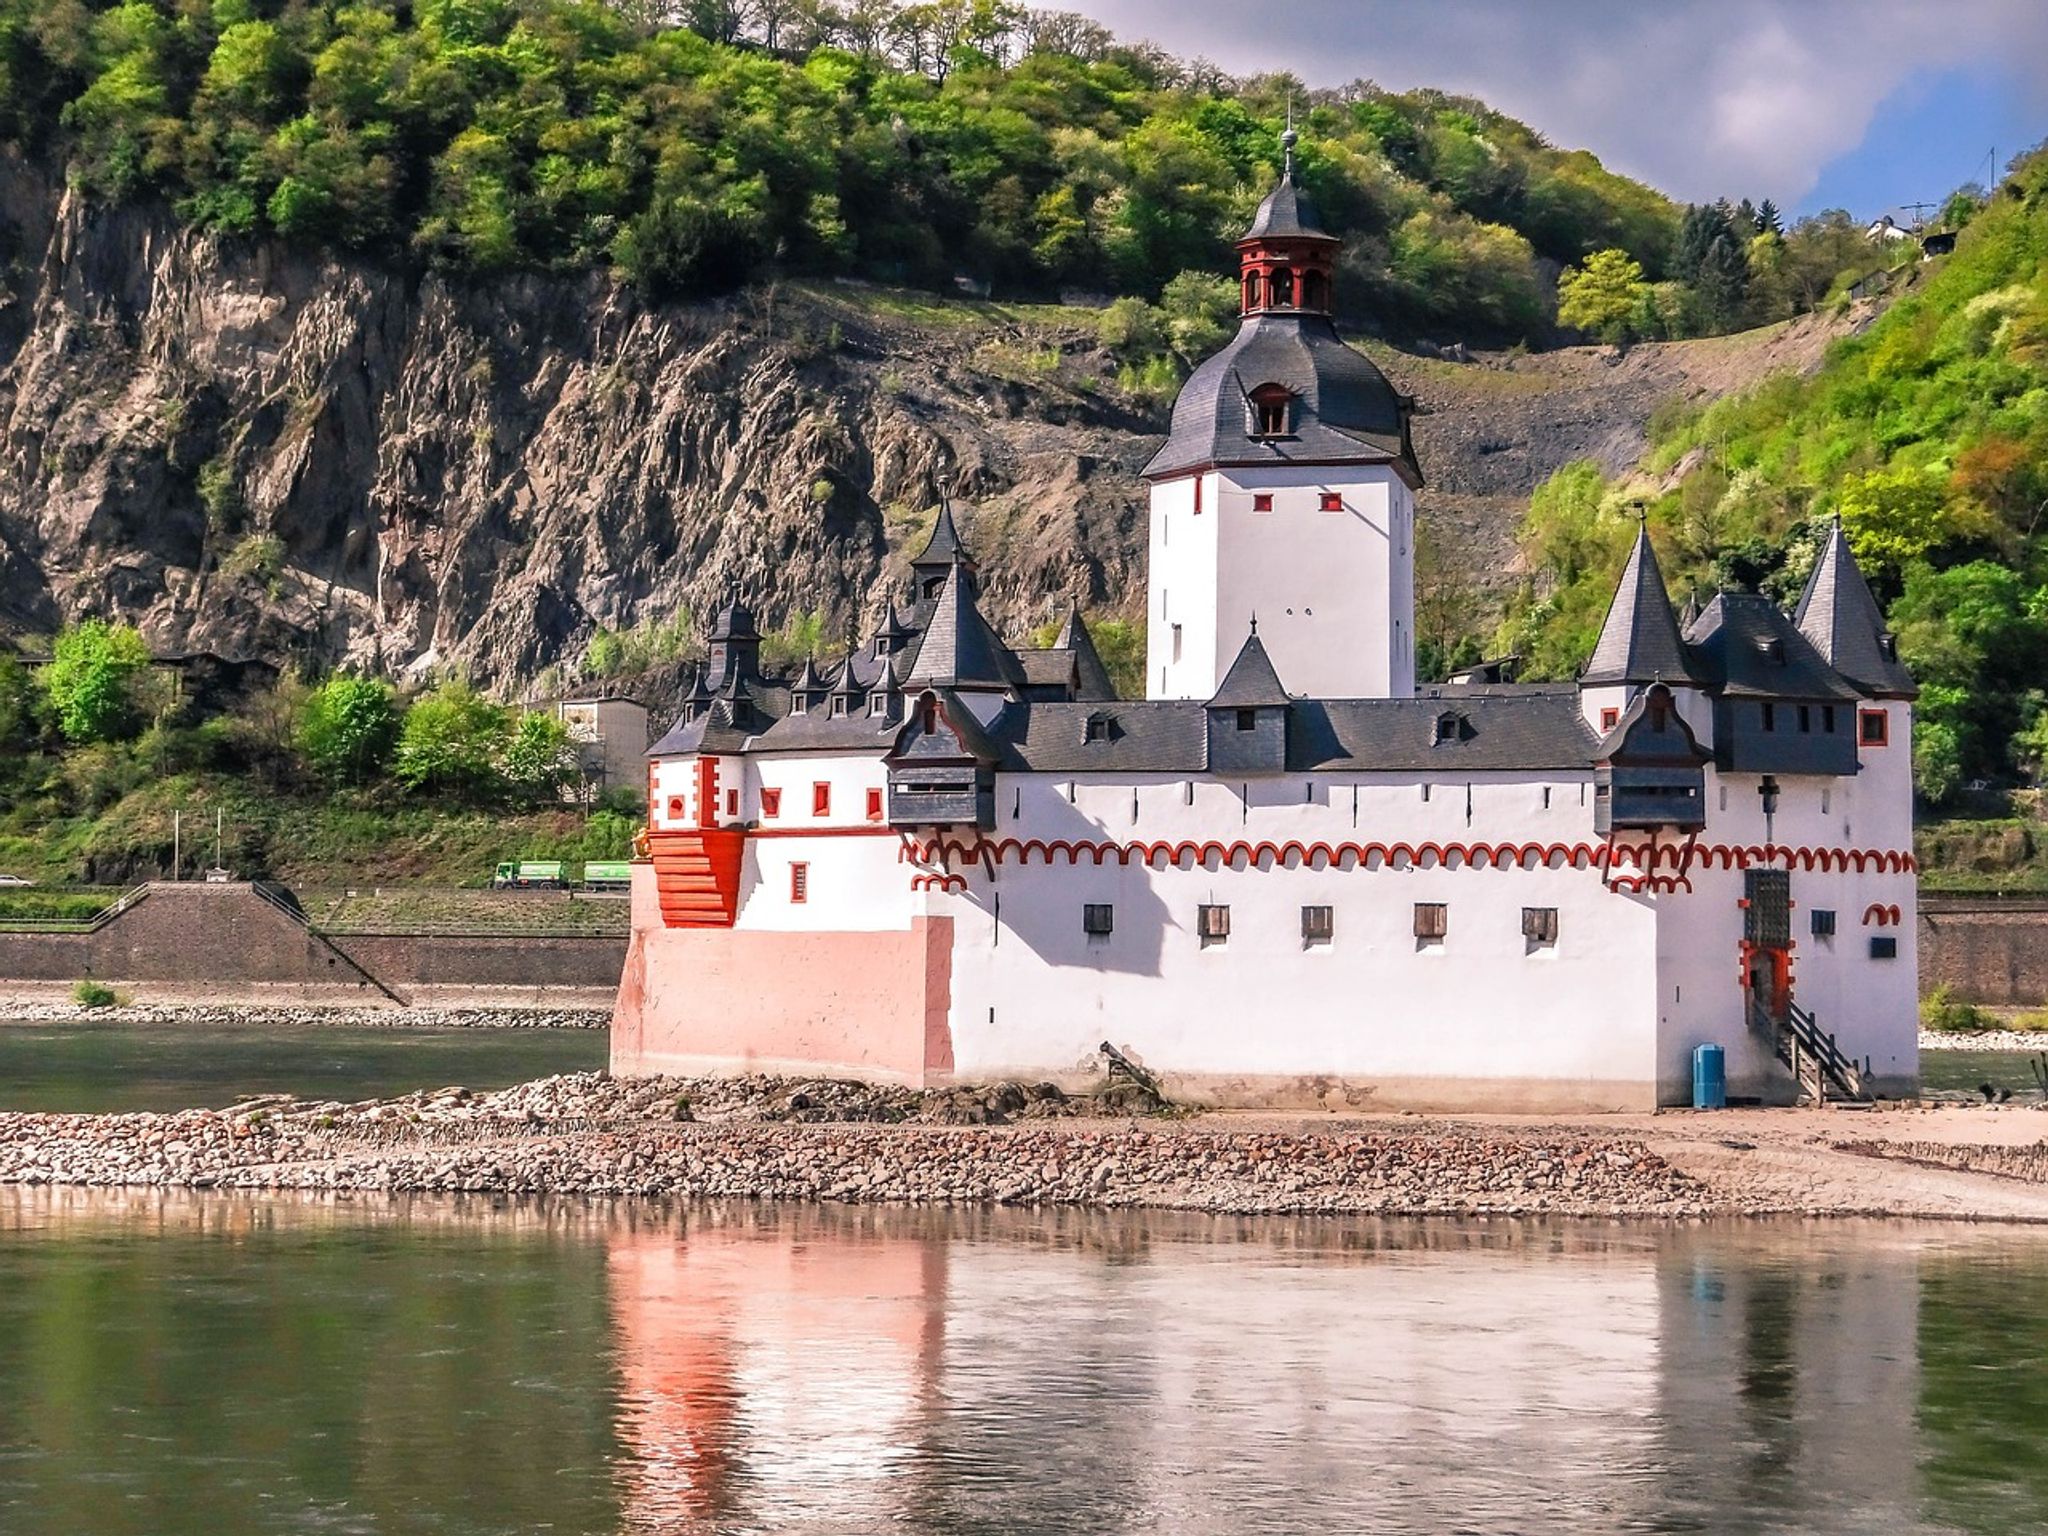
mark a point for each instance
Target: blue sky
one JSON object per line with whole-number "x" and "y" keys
{"x": 1863, "y": 104}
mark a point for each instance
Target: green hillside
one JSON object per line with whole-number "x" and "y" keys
{"x": 1927, "y": 434}
{"x": 900, "y": 143}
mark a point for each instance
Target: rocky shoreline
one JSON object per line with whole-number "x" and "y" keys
{"x": 1011, "y": 1144}
{"x": 1985, "y": 1040}
{"x": 276, "y": 1015}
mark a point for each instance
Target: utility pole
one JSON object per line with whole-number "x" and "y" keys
{"x": 177, "y": 842}
{"x": 217, "y": 815}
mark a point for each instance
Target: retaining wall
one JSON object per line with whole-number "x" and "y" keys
{"x": 226, "y": 943}
{"x": 1986, "y": 949}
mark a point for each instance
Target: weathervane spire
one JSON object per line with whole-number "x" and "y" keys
{"x": 1287, "y": 142}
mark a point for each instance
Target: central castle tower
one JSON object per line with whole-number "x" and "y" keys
{"x": 1285, "y": 492}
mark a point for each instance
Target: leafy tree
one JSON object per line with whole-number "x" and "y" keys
{"x": 1937, "y": 761}
{"x": 452, "y": 742}
{"x": 1605, "y": 296}
{"x": 348, "y": 726}
{"x": 539, "y": 756}
{"x": 1893, "y": 517}
{"x": 88, "y": 680}
{"x": 1199, "y": 309}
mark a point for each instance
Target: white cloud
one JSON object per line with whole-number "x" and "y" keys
{"x": 1700, "y": 97}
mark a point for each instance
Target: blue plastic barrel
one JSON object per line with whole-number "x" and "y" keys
{"x": 1709, "y": 1077}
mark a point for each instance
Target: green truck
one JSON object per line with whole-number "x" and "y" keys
{"x": 529, "y": 875}
{"x": 607, "y": 875}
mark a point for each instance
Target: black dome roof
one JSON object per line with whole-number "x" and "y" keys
{"x": 1345, "y": 410}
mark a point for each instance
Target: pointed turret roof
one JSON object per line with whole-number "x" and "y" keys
{"x": 698, "y": 694}
{"x": 1251, "y": 682}
{"x": 944, "y": 546}
{"x": 808, "y": 681}
{"x": 848, "y": 681}
{"x": 1091, "y": 676}
{"x": 959, "y": 649}
{"x": 1640, "y": 642}
{"x": 1287, "y": 212}
{"x": 1840, "y": 617}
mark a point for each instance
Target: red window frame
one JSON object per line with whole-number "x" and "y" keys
{"x": 1198, "y": 495}
{"x": 771, "y": 802}
{"x": 732, "y": 802}
{"x": 1333, "y": 501}
{"x": 1865, "y": 736}
{"x": 799, "y": 884}
{"x": 1609, "y": 719}
{"x": 675, "y": 808}
{"x": 821, "y": 799}
{"x": 874, "y": 805}
{"x": 1262, "y": 501}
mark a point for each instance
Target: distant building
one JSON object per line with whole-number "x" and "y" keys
{"x": 1886, "y": 229}
{"x": 610, "y": 732}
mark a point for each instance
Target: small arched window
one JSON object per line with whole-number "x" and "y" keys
{"x": 1312, "y": 291}
{"x": 1283, "y": 288}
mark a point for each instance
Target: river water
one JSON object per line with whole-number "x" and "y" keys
{"x": 89, "y": 1066}
{"x": 217, "y": 1365}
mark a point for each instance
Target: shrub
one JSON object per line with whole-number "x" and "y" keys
{"x": 88, "y": 680}
{"x": 1942, "y": 1012}
{"x": 93, "y": 994}
{"x": 452, "y": 741}
{"x": 348, "y": 726}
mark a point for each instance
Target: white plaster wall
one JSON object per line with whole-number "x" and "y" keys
{"x": 1332, "y": 590}
{"x": 672, "y": 798}
{"x": 855, "y": 881}
{"x": 1182, "y": 562}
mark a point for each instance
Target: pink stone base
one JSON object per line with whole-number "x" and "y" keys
{"x": 870, "y": 1005}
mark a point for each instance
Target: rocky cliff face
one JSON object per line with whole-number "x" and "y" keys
{"x": 260, "y": 453}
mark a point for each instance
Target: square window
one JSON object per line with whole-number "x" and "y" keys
{"x": 821, "y": 799}
{"x": 1609, "y": 719}
{"x": 1432, "y": 920}
{"x": 838, "y": 705}
{"x": 1873, "y": 728}
{"x": 1317, "y": 924}
{"x": 1333, "y": 501}
{"x": 1262, "y": 501}
{"x": 1098, "y": 919}
{"x": 1823, "y": 923}
{"x": 1539, "y": 926}
{"x": 1213, "y": 924}
{"x": 1247, "y": 719}
{"x": 1884, "y": 947}
{"x": 771, "y": 802}
{"x": 799, "y": 883}
{"x": 878, "y": 705}
{"x": 874, "y": 805}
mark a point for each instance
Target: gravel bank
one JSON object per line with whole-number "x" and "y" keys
{"x": 586, "y": 1134}
{"x": 1989, "y": 1040}
{"x": 270, "y": 1015}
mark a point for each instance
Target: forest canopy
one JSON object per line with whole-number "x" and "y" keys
{"x": 1030, "y": 150}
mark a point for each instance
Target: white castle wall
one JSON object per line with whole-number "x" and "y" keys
{"x": 1333, "y": 591}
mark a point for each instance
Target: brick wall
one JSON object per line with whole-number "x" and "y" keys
{"x": 225, "y": 941}
{"x": 1984, "y": 950}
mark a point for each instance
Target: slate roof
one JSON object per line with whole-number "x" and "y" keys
{"x": 1746, "y": 646}
{"x": 1842, "y": 620}
{"x": 1091, "y": 675}
{"x": 944, "y": 547}
{"x": 1251, "y": 682}
{"x": 1640, "y": 642}
{"x": 1538, "y": 730}
{"x": 1287, "y": 213}
{"x": 959, "y": 650}
{"x": 734, "y": 622}
{"x": 1345, "y": 410}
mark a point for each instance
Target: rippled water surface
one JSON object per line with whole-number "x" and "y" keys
{"x": 219, "y": 1365}
{"x": 86, "y": 1066}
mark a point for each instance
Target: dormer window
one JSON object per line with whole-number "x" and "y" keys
{"x": 838, "y": 706}
{"x": 799, "y": 704}
{"x": 1448, "y": 728}
{"x": 933, "y": 585}
{"x": 1272, "y": 408}
{"x": 881, "y": 645}
{"x": 878, "y": 705}
{"x": 1774, "y": 651}
{"x": 1098, "y": 727}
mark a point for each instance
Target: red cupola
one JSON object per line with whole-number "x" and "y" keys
{"x": 1287, "y": 260}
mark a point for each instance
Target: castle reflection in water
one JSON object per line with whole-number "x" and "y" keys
{"x": 855, "y": 1371}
